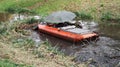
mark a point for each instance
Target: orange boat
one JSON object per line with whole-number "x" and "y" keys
{"x": 67, "y": 35}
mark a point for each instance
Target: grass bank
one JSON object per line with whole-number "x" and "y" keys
{"x": 22, "y": 50}
{"x": 97, "y": 9}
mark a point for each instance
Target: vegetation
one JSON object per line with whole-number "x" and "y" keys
{"x": 106, "y": 16}
{"x": 87, "y": 9}
{"x": 31, "y": 21}
{"x": 22, "y": 49}
{"x": 83, "y": 16}
{"x": 109, "y": 17}
{"x": 19, "y": 10}
{"x": 19, "y": 46}
{"x": 4, "y": 4}
{"x": 7, "y": 63}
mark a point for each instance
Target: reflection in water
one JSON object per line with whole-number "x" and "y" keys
{"x": 112, "y": 31}
{"x": 104, "y": 53}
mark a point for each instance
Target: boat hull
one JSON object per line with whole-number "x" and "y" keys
{"x": 65, "y": 34}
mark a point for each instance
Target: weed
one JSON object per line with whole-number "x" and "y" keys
{"x": 106, "y": 16}
{"x": 3, "y": 30}
{"x": 11, "y": 10}
{"x": 110, "y": 17}
{"x": 52, "y": 49}
{"x": 7, "y": 28}
{"x": 27, "y": 43}
{"x": 102, "y": 5}
{"x": 83, "y": 16}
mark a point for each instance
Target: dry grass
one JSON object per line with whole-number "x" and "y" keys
{"x": 95, "y": 7}
{"x": 21, "y": 56}
{"x": 19, "y": 49}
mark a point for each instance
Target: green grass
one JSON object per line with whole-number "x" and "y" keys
{"x": 19, "y": 10}
{"x": 19, "y": 3}
{"x": 7, "y": 63}
{"x": 106, "y": 16}
{"x": 90, "y": 7}
{"x": 109, "y": 17}
{"x": 83, "y": 15}
{"x": 52, "y": 5}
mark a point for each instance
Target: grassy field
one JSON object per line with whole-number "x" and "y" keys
{"x": 19, "y": 49}
{"x": 98, "y": 9}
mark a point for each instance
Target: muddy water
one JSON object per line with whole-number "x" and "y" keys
{"x": 103, "y": 53}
